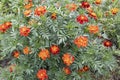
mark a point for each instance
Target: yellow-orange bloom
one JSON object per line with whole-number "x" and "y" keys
{"x": 68, "y": 59}
{"x": 40, "y": 11}
{"x": 27, "y": 12}
{"x": 81, "y": 41}
{"x": 28, "y": 6}
{"x": 71, "y": 7}
{"x": 93, "y": 15}
{"x": 89, "y": 9}
{"x": 98, "y": 1}
{"x": 114, "y": 11}
{"x": 93, "y": 29}
{"x": 44, "y": 54}
{"x": 26, "y": 50}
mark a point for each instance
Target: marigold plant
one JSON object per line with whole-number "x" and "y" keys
{"x": 59, "y": 39}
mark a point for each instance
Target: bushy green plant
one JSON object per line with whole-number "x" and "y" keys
{"x": 85, "y": 37}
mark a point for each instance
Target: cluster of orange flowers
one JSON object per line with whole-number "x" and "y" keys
{"x": 84, "y": 69}
{"x": 81, "y": 41}
{"x": 27, "y": 8}
{"x": 5, "y": 26}
{"x": 16, "y": 53}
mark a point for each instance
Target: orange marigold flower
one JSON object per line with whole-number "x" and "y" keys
{"x": 24, "y": 31}
{"x": 89, "y": 9}
{"x": 3, "y": 28}
{"x": 53, "y": 16}
{"x": 28, "y": 6}
{"x": 42, "y": 74}
{"x": 44, "y": 54}
{"x": 84, "y": 69}
{"x": 40, "y": 11}
{"x": 98, "y": 1}
{"x": 93, "y": 29}
{"x": 26, "y": 50}
{"x": 71, "y": 7}
{"x": 85, "y": 4}
{"x": 8, "y": 25}
{"x": 114, "y": 11}
{"x": 54, "y": 49}
{"x": 16, "y": 54}
{"x": 107, "y": 43}
{"x": 82, "y": 19}
{"x": 93, "y": 15}
{"x": 27, "y": 13}
{"x": 67, "y": 70}
{"x": 68, "y": 59}
{"x": 81, "y": 41}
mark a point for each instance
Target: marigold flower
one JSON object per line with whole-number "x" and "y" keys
{"x": 8, "y": 25}
{"x": 93, "y": 29}
{"x": 84, "y": 69}
{"x": 93, "y": 15}
{"x": 42, "y": 74}
{"x": 68, "y": 59}
{"x": 98, "y": 1}
{"x": 107, "y": 43}
{"x": 24, "y": 31}
{"x": 53, "y": 16}
{"x": 44, "y": 54}
{"x": 67, "y": 70}
{"x": 40, "y": 11}
{"x": 28, "y": 6}
{"x": 85, "y": 4}
{"x": 54, "y": 49}
{"x": 16, "y": 54}
{"x": 89, "y": 9}
{"x": 3, "y": 28}
{"x": 81, "y": 41}
{"x": 82, "y": 19}
{"x": 27, "y": 13}
{"x": 26, "y": 50}
{"x": 71, "y": 7}
{"x": 114, "y": 11}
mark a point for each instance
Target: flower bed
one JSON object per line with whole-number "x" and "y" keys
{"x": 59, "y": 39}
